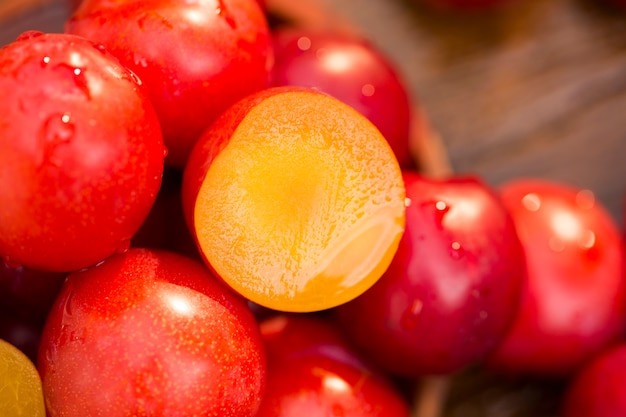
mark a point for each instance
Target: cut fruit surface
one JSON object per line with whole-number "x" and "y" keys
{"x": 303, "y": 206}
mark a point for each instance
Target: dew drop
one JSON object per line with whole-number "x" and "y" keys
{"x": 411, "y": 316}
{"x": 81, "y": 81}
{"x": 134, "y": 78}
{"x": 77, "y": 76}
{"x": 321, "y": 53}
{"x": 45, "y": 61}
{"x": 587, "y": 239}
{"x": 556, "y": 244}
{"x": 68, "y": 303}
{"x": 29, "y": 34}
{"x": 101, "y": 48}
{"x": 102, "y": 262}
{"x": 531, "y": 201}
{"x": 456, "y": 250}
{"x": 11, "y": 263}
{"x": 441, "y": 208}
{"x": 585, "y": 199}
{"x": 304, "y": 43}
{"x": 51, "y": 352}
{"x": 123, "y": 246}
{"x": 140, "y": 60}
{"x": 166, "y": 151}
{"x": 223, "y": 12}
{"x": 57, "y": 130}
{"x": 368, "y": 90}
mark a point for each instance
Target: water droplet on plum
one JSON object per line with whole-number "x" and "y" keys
{"x": 304, "y": 43}
{"x": 438, "y": 209}
{"x": 45, "y": 61}
{"x": 134, "y": 78}
{"x": 556, "y": 244}
{"x": 11, "y": 263}
{"x": 456, "y": 250}
{"x": 587, "y": 239}
{"x": 101, "y": 48}
{"x": 68, "y": 303}
{"x": 123, "y": 246}
{"x": 368, "y": 90}
{"x": 57, "y": 130}
{"x": 77, "y": 76}
{"x": 585, "y": 199}
{"x": 29, "y": 34}
{"x": 223, "y": 12}
{"x": 531, "y": 201}
{"x": 411, "y": 316}
{"x": 140, "y": 60}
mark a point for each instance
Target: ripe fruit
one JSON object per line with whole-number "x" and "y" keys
{"x": 350, "y": 69}
{"x": 195, "y": 57}
{"x": 150, "y": 333}
{"x": 574, "y": 300}
{"x": 81, "y": 153}
{"x": 599, "y": 388}
{"x": 20, "y": 386}
{"x": 320, "y": 386}
{"x": 453, "y": 287}
{"x": 295, "y": 200}
{"x": 312, "y": 371}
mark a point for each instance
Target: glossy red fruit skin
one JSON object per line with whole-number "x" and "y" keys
{"x": 321, "y": 386}
{"x": 352, "y": 70}
{"x": 313, "y": 371}
{"x": 599, "y": 388}
{"x": 453, "y": 287}
{"x": 81, "y": 153}
{"x": 574, "y": 301}
{"x": 150, "y": 333}
{"x": 195, "y": 58}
